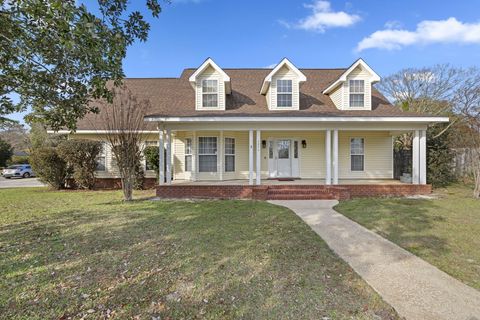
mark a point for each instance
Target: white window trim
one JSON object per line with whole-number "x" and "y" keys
{"x": 209, "y": 93}
{"x": 350, "y": 151}
{"x": 225, "y": 154}
{"x": 188, "y": 154}
{"x": 197, "y": 150}
{"x": 284, "y": 93}
{"x": 103, "y": 153}
{"x": 350, "y": 93}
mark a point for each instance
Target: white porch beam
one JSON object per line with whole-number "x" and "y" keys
{"x": 423, "y": 157}
{"x": 328, "y": 157}
{"x": 250, "y": 157}
{"x": 258, "y": 164}
{"x": 335, "y": 156}
{"x": 415, "y": 157}
{"x": 161, "y": 158}
{"x": 169, "y": 156}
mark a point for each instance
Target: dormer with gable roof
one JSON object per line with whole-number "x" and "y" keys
{"x": 353, "y": 89}
{"x": 211, "y": 86}
{"x": 281, "y": 86}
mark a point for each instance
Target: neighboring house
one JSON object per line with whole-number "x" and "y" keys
{"x": 243, "y": 132}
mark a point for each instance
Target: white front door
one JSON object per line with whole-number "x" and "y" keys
{"x": 283, "y": 158}
{"x": 284, "y": 161}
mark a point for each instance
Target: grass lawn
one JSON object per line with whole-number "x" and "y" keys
{"x": 89, "y": 255}
{"x": 443, "y": 231}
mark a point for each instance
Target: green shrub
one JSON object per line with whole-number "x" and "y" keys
{"x": 151, "y": 157}
{"x": 81, "y": 155}
{"x": 439, "y": 157}
{"x": 6, "y": 151}
{"x": 49, "y": 167}
{"x": 18, "y": 160}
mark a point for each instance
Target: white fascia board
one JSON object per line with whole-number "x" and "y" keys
{"x": 291, "y": 66}
{"x": 205, "y": 65}
{"x": 343, "y": 77}
{"x": 94, "y": 131}
{"x": 298, "y": 119}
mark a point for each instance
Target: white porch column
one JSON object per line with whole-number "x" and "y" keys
{"x": 258, "y": 153}
{"x": 328, "y": 157}
{"x": 250, "y": 157}
{"x": 169, "y": 156}
{"x": 161, "y": 158}
{"x": 335, "y": 156}
{"x": 423, "y": 157}
{"x": 220, "y": 153}
{"x": 194, "y": 157}
{"x": 415, "y": 157}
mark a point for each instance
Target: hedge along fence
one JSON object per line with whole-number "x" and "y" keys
{"x": 71, "y": 158}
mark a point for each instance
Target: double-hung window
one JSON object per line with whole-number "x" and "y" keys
{"x": 102, "y": 158}
{"x": 357, "y": 154}
{"x": 284, "y": 93}
{"x": 188, "y": 154}
{"x": 207, "y": 154}
{"x": 209, "y": 93}
{"x": 229, "y": 154}
{"x": 357, "y": 93}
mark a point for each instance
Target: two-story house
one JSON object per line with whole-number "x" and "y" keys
{"x": 274, "y": 133}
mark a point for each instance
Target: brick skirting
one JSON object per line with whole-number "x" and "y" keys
{"x": 290, "y": 192}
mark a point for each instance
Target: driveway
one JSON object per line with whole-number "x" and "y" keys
{"x": 19, "y": 183}
{"x": 415, "y": 288}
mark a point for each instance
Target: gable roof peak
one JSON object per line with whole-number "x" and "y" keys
{"x": 281, "y": 64}
{"x": 353, "y": 66}
{"x": 210, "y": 63}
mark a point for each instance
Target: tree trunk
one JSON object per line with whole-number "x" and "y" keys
{"x": 476, "y": 190}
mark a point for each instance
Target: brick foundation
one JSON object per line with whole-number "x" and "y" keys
{"x": 290, "y": 192}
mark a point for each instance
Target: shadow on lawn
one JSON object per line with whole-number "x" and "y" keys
{"x": 407, "y": 222}
{"x": 207, "y": 259}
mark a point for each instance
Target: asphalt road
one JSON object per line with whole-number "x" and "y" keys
{"x": 19, "y": 183}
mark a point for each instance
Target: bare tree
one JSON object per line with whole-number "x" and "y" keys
{"x": 442, "y": 90}
{"x": 123, "y": 124}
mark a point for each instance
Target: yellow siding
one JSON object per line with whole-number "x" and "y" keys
{"x": 211, "y": 74}
{"x": 284, "y": 73}
{"x": 378, "y": 155}
{"x": 337, "y": 97}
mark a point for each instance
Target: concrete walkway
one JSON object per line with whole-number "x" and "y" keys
{"x": 415, "y": 288}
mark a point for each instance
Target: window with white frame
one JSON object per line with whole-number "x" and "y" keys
{"x": 188, "y": 154}
{"x": 357, "y": 93}
{"x": 102, "y": 158}
{"x": 284, "y": 93}
{"x": 357, "y": 154}
{"x": 229, "y": 154}
{"x": 209, "y": 93}
{"x": 207, "y": 154}
{"x": 149, "y": 167}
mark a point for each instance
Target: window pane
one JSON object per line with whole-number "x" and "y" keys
{"x": 356, "y": 100}
{"x": 284, "y": 86}
{"x": 295, "y": 149}
{"x": 210, "y": 100}
{"x": 229, "y": 163}
{"x": 188, "y": 163}
{"x": 207, "y": 163}
{"x": 283, "y": 147}
{"x": 229, "y": 146}
{"x": 100, "y": 163}
{"x": 357, "y": 162}
{"x": 357, "y": 86}
{"x": 284, "y": 100}
{"x": 209, "y": 86}
{"x": 207, "y": 145}
{"x": 188, "y": 146}
{"x": 357, "y": 146}
{"x": 270, "y": 149}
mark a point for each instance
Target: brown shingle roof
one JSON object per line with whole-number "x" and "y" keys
{"x": 175, "y": 97}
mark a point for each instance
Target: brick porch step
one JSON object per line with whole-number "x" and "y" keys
{"x": 321, "y": 196}
{"x": 299, "y": 193}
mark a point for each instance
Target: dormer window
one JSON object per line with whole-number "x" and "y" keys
{"x": 209, "y": 93}
{"x": 357, "y": 93}
{"x": 284, "y": 93}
